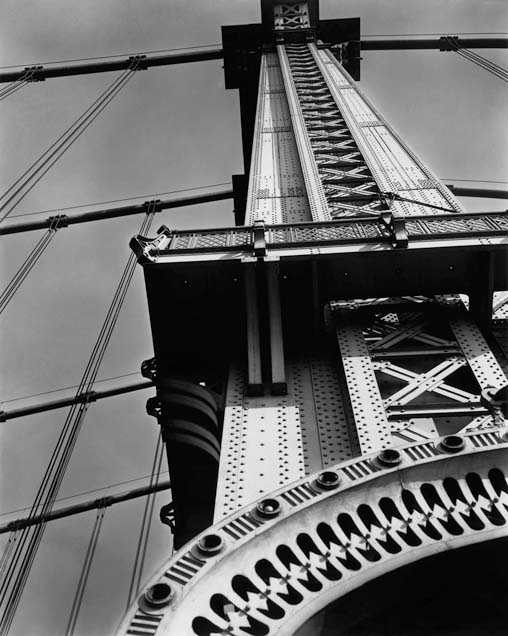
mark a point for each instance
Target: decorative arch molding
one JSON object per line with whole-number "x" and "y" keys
{"x": 271, "y": 566}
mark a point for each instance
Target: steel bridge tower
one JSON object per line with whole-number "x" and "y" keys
{"x": 330, "y": 386}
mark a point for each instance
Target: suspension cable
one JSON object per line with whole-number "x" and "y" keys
{"x": 20, "y": 562}
{"x": 482, "y": 62}
{"x": 28, "y": 264}
{"x": 32, "y": 175}
{"x": 146, "y": 520}
{"x": 85, "y": 570}
{"x": 150, "y": 497}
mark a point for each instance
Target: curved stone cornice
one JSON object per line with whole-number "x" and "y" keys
{"x": 270, "y": 566}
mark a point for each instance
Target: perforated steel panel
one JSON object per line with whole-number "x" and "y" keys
{"x": 370, "y": 418}
{"x": 500, "y": 305}
{"x": 271, "y": 441}
{"x": 480, "y": 358}
{"x": 276, "y": 188}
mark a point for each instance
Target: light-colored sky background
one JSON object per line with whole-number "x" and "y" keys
{"x": 172, "y": 128}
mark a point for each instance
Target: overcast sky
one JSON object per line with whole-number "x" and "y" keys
{"x": 171, "y": 128}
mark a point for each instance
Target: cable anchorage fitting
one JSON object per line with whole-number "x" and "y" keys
{"x": 154, "y": 205}
{"x": 34, "y": 74}
{"x": 138, "y": 63}
{"x": 58, "y": 221}
{"x": 87, "y": 397}
{"x": 104, "y": 502}
{"x": 449, "y": 43}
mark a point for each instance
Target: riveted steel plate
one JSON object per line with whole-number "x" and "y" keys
{"x": 372, "y": 426}
{"x": 276, "y": 187}
{"x": 270, "y": 441}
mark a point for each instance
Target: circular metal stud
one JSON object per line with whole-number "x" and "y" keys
{"x": 453, "y": 443}
{"x": 158, "y": 595}
{"x": 328, "y": 480}
{"x": 389, "y": 457}
{"x": 268, "y": 508}
{"x": 210, "y": 544}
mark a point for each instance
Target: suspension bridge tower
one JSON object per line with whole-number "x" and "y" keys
{"x": 330, "y": 387}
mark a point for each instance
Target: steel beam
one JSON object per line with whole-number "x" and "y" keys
{"x": 65, "y": 70}
{"x": 77, "y": 509}
{"x": 278, "y": 380}
{"x": 483, "y": 193}
{"x": 107, "y": 66}
{"x": 113, "y": 213}
{"x": 366, "y": 403}
{"x": 254, "y": 377}
{"x": 433, "y": 43}
{"x": 90, "y": 396}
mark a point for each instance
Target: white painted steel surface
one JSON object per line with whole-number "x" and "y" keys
{"x": 276, "y": 191}
{"x": 316, "y": 195}
{"x": 372, "y": 427}
{"x": 270, "y": 441}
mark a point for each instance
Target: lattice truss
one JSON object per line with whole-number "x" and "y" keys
{"x": 353, "y": 162}
{"x": 414, "y": 369}
{"x": 291, "y": 16}
{"x": 344, "y": 174}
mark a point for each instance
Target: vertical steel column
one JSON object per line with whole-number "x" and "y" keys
{"x": 278, "y": 384}
{"x": 481, "y": 296}
{"x": 254, "y": 379}
{"x": 371, "y": 423}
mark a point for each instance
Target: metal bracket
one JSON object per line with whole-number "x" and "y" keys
{"x": 167, "y": 516}
{"x": 149, "y": 369}
{"x": 397, "y": 227}
{"x": 258, "y": 230}
{"x": 496, "y": 400}
{"x": 153, "y": 406}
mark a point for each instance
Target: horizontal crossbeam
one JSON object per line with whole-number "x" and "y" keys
{"x": 484, "y": 193}
{"x": 106, "y": 66}
{"x": 90, "y": 396}
{"x": 77, "y": 509}
{"x": 40, "y": 72}
{"x": 113, "y": 213}
{"x": 441, "y": 44}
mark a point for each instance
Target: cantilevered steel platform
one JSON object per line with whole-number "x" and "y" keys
{"x": 195, "y": 278}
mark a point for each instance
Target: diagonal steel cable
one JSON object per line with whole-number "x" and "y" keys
{"x": 27, "y": 266}
{"x": 15, "y": 86}
{"x": 85, "y": 571}
{"x": 34, "y": 173}
{"x": 14, "y": 577}
{"x": 146, "y": 521}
